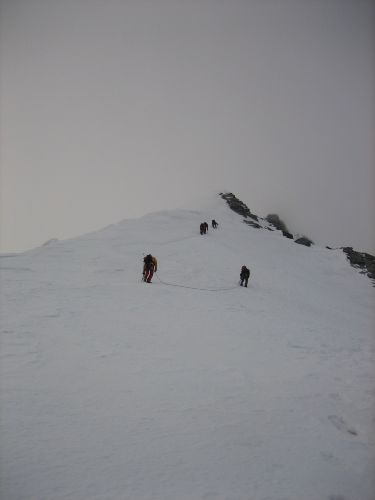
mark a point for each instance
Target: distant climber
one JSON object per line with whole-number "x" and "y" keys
{"x": 206, "y": 227}
{"x": 150, "y": 266}
{"x": 244, "y": 276}
{"x": 214, "y": 224}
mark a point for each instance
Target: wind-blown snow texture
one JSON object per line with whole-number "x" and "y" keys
{"x": 115, "y": 389}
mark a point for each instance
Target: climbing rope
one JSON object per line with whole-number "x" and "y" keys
{"x": 195, "y": 288}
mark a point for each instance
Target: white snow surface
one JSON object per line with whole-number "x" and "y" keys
{"x": 112, "y": 388}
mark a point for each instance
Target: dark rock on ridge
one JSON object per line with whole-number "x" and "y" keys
{"x": 238, "y": 206}
{"x": 275, "y": 220}
{"x": 304, "y": 241}
{"x": 287, "y": 235}
{"x": 251, "y": 223}
{"x": 361, "y": 260}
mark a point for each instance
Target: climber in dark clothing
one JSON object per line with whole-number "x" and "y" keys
{"x": 244, "y": 276}
{"x": 214, "y": 224}
{"x": 203, "y": 228}
{"x": 150, "y": 265}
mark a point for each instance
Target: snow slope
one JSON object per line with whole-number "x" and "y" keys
{"x": 115, "y": 389}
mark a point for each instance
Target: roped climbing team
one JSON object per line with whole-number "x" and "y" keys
{"x": 150, "y": 263}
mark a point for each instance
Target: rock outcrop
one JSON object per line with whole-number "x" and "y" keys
{"x": 238, "y": 206}
{"x": 275, "y": 220}
{"x": 361, "y": 260}
{"x": 303, "y": 240}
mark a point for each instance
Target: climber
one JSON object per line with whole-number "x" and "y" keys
{"x": 203, "y": 228}
{"x": 244, "y": 276}
{"x": 150, "y": 266}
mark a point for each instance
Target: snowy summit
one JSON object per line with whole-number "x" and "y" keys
{"x": 190, "y": 387}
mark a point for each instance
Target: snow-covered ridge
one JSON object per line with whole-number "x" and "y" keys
{"x": 359, "y": 260}
{"x": 194, "y": 389}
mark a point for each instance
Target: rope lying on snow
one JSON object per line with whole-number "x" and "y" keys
{"x": 195, "y": 288}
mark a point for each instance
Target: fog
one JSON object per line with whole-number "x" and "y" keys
{"x": 110, "y": 110}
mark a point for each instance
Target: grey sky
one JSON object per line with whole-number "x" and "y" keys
{"x": 112, "y": 109}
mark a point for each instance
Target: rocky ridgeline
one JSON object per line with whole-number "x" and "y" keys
{"x": 238, "y": 206}
{"x": 360, "y": 260}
